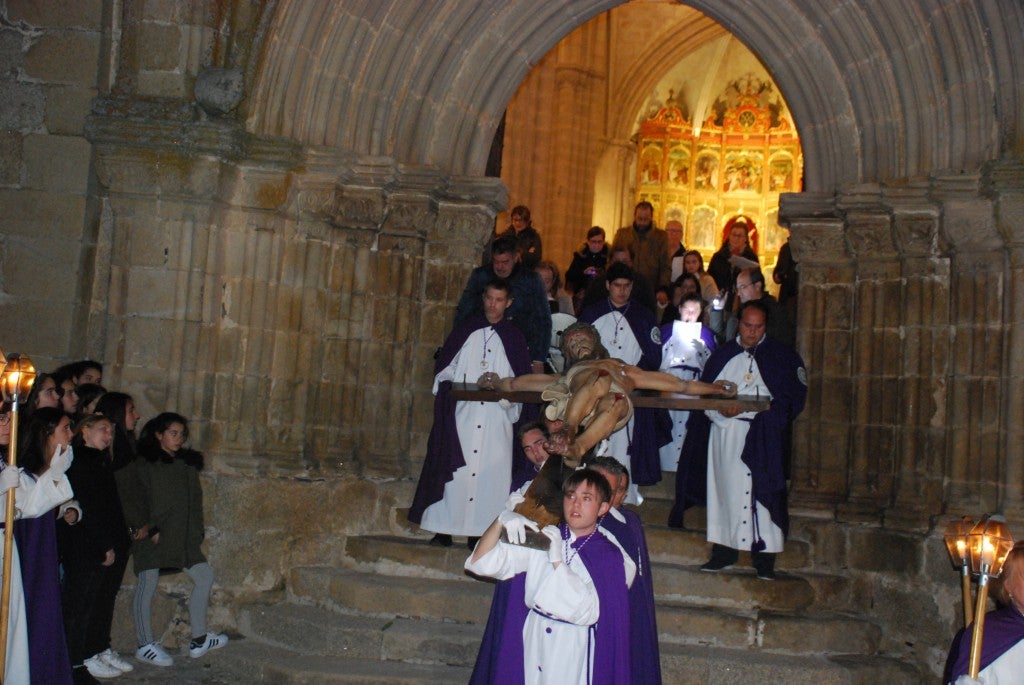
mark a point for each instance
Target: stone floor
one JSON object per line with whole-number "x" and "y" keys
{"x": 216, "y": 668}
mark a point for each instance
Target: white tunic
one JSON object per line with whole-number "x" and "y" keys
{"x": 1007, "y": 669}
{"x": 730, "y": 520}
{"x": 618, "y": 339}
{"x": 32, "y": 499}
{"x": 684, "y": 360}
{"x": 564, "y": 604}
{"x": 478, "y": 490}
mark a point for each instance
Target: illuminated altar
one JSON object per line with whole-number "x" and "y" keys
{"x": 736, "y": 162}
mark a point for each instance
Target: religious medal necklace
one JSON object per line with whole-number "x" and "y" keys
{"x": 565, "y": 543}
{"x": 487, "y": 341}
{"x": 617, "y": 318}
{"x": 749, "y": 375}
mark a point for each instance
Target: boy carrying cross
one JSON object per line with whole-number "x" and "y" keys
{"x": 568, "y": 618}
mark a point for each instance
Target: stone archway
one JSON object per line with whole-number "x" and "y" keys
{"x": 367, "y": 129}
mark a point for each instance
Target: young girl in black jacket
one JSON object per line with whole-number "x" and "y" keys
{"x": 95, "y": 551}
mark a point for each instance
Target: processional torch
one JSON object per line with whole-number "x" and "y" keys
{"x": 16, "y": 380}
{"x": 956, "y": 537}
{"x": 989, "y": 543}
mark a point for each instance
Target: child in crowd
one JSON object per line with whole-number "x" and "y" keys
{"x": 687, "y": 345}
{"x": 163, "y": 504}
{"x": 572, "y": 625}
{"x": 95, "y": 552}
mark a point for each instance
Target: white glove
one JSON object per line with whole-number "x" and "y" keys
{"x": 514, "y": 500}
{"x": 968, "y": 680}
{"x": 515, "y": 526}
{"x": 555, "y": 549}
{"x": 10, "y": 477}
{"x": 61, "y": 460}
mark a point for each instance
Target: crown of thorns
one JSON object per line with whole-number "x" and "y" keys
{"x": 598, "y": 350}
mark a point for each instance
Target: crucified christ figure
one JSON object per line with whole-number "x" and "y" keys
{"x": 593, "y": 393}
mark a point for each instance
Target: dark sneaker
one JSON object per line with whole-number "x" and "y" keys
{"x": 722, "y": 557}
{"x": 714, "y": 565}
{"x": 764, "y": 564}
{"x": 441, "y": 540}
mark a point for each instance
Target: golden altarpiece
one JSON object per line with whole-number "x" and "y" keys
{"x": 736, "y": 162}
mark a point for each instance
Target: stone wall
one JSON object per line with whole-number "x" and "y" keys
{"x": 50, "y": 71}
{"x": 908, "y": 323}
{"x": 290, "y": 300}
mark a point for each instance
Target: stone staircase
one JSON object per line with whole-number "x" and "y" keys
{"x": 402, "y": 612}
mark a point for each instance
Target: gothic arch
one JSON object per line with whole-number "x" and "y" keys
{"x": 878, "y": 91}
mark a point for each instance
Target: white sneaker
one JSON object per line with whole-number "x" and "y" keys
{"x": 212, "y": 641}
{"x": 100, "y": 669}
{"x": 112, "y": 658}
{"x": 154, "y": 654}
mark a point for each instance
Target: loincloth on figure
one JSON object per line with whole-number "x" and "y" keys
{"x": 559, "y": 394}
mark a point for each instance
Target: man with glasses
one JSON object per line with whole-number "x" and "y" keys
{"x": 750, "y": 287}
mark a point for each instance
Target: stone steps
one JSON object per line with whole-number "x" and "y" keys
{"x": 698, "y": 665}
{"x": 674, "y": 583}
{"x": 403, "y": 611}
{"x": 375, "y": 594}
{"x": 321, "y": 632}
{"x": 691, "y": 547}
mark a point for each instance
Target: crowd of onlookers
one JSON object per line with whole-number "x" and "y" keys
{"x": 665, "y": 272}
{"x": 90, "y": 492}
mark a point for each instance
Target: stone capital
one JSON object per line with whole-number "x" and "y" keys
{"x": 1004, "y": 182}
{"x": 968, "y": 217}
{"x": 915, "y": 218}
{"x": 816, "y": 229}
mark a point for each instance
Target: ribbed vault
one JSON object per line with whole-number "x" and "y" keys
{"x": 879, "y": 90}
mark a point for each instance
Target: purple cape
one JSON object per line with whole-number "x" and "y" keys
{"x": 646, "y": 656}
{"x": 1003, "y": 629}
{"x": 49, "y": 661}
{"x": 652, "y": 428}
{"x": 501, "y": 659}
{"x": 444, "y": 452}
{"x": 766, "y": 446}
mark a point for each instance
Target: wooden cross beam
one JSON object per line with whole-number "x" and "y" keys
{"x": 640, "y": 398}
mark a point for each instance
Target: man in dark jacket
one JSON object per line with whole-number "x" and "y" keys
{"x": 529, "y": 310}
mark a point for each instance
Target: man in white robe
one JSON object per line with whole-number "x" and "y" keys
{"x": 467, "y": 474}
{"x": 630, "y": 333}
{"x": 745, "y": 451}
{"x": 574, "y": 618}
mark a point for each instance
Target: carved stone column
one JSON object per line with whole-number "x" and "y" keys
{"x": 822, "y": 433}
{"x": 1005, "y": 185}
{"x": 975, "y": 396}
{"x": 924, "y": 358}
{"x": 875, "y": 367}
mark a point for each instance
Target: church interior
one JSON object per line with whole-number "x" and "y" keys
{"x": 261, "y": 213}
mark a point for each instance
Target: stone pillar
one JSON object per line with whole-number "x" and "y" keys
{"x": 822, "y": 433}
{"x": 923, "y": 353}
{"x": 976, "y": 341}
{"x": 874, "y": 352}
{"x": 1004, "y": 183}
